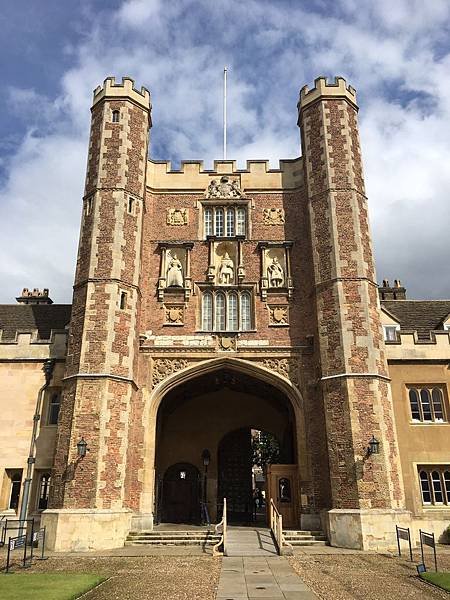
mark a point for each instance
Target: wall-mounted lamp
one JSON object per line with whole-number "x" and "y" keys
{"x": 82, "y": 448}
{"x": 374, "y": 446}
{"x": 206, "y": 457}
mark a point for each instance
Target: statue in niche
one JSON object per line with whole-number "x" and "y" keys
{"x": 174, "y": 271}
{"x": 275, "y": 273}
{"x": 226, "y": 270}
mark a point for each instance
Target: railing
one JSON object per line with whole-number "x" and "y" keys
{"x": 276, "y": 525}
{"x": 223, "y": 538}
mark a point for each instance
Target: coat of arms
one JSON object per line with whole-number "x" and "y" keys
{"x": 225, "y": 188}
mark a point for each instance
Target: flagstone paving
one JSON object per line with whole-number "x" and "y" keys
{"x": 258, "y": 577}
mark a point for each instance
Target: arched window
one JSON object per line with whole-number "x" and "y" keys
{"x": 230, "y": 222}
{"x": 425, "y": 487}
{"x": 208, "y": 221}
{"x": 447, "y": 485}
{"x": 220, "y": 312}
{"x": 224, "y": 221}
{"x": 226, "y": 311}
{"x": 438, "y": 409}
{"x": 219, "y": 222}
{"x": 414, "y": 403}
{"x": 232, "y": 312}
{"x": 240, "y": 221}
{"x": 53, "y": 408}
{"x": 115, "y": 116}
{"x": 426, "y": 405}
{"x": 246, "y": 313}
{"x": 207, "y": 312}
{"x": 44, "y": 489}
{"x": 437, "y": 487}
{"x": 435, "y": 484}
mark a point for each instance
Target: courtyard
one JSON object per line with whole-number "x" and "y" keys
{"x": 180, "y": 574}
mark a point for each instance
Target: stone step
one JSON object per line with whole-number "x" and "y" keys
{"x": 170, "y": 535}
{"x": 308, "y": 542}
{"x": 185, "y": 532}
{"x": 179, "y": 542}
{"x": 302, "y": 532}
{"x": 305, "y": 537}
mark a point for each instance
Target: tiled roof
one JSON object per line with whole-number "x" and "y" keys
{"x": 43, "y": 317}
{"x": 421, "y": 315}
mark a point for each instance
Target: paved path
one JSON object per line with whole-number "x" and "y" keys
{"x": 257, "y": 578}
{"x": 250, "y": 541}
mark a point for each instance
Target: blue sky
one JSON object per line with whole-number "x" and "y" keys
{"x": 54, "y": 53}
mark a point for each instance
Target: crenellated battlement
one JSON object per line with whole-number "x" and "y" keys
{"x": 409, "y": 346}
{"x": 126, "y": 89}
{"x": 257, "y": 175}
{"x": 28, "y": 345}
{"x": 323, "y": 88}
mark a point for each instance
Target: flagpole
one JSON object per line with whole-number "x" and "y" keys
{"x": 224, "y": 113}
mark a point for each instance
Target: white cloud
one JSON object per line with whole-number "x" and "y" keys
{"x": 394, "y": 54}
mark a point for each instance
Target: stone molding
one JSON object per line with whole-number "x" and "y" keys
{"x": 286, "y": 367}
{"x": 162, "y": 368}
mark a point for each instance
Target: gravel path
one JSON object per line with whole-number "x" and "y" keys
{"x": 149, "y": 578}
{"x": 366, "y": 577}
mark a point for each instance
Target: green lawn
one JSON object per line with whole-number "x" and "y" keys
{"x": 46, "y": 586}
{"x": 440, "y": 579}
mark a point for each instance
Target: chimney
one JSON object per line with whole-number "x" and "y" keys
{"x": 35, "y": 296}
{"x": 395, "y": 292}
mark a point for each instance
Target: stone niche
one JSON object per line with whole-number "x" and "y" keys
{"x": 275, "y": 268}
{"x": 175, "y": 270}
{"x": 225, "y": 262}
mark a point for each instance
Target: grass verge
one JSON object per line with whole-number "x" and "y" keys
{"x": 46, "y": 586}
{"x": 442, "y": 580}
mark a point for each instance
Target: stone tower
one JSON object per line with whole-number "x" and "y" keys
{"x": 102, "y": 352}
{"x": 366, "y": 493}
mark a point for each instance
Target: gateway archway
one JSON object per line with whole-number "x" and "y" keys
{"x": 207, "y": 412}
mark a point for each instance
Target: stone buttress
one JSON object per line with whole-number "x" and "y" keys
{"x": 103, "y": 344}
{"x": 367, "y": 491}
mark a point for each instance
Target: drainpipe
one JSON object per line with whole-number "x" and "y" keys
{"x": 48, "y": 367}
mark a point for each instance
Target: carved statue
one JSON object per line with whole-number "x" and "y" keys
{"x": 226, "y": 270}
{"x": 275, "y": 273}
{"x": 174, "y": 271}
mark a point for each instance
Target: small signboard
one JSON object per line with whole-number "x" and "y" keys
{"x": 403, "y": 534}
{"x": 427, "y": 539}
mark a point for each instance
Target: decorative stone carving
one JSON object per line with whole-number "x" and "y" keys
{"x": 273, "y": 216}
{"x": 164, "y": 367}
{"x": 177, "y": 216}
{"x": 278, "y": 315}
{"x": 174, "y": 314}
{"x": 275, "y": 273}
{"x": 287, "y": 367}
{"x": 174, "y": 276}
{"x": 225, "y": 188}
{"x": 227, "y": 342}
{"x": 226, "y": 270}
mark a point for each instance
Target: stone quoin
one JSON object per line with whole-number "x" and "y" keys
{"x": 208, "y": 306}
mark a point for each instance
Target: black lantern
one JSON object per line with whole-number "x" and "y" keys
{"x": 82, "y": 448}
{"x": 206, "y": 457}
{"x": 374, "y": 446}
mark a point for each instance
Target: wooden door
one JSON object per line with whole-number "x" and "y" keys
{"x": 282, "y": 487}
{"x": 235, "y": 475}
{"x": 181, "y": 494}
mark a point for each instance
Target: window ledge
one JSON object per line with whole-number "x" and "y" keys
{"x": 428, "y": 423}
